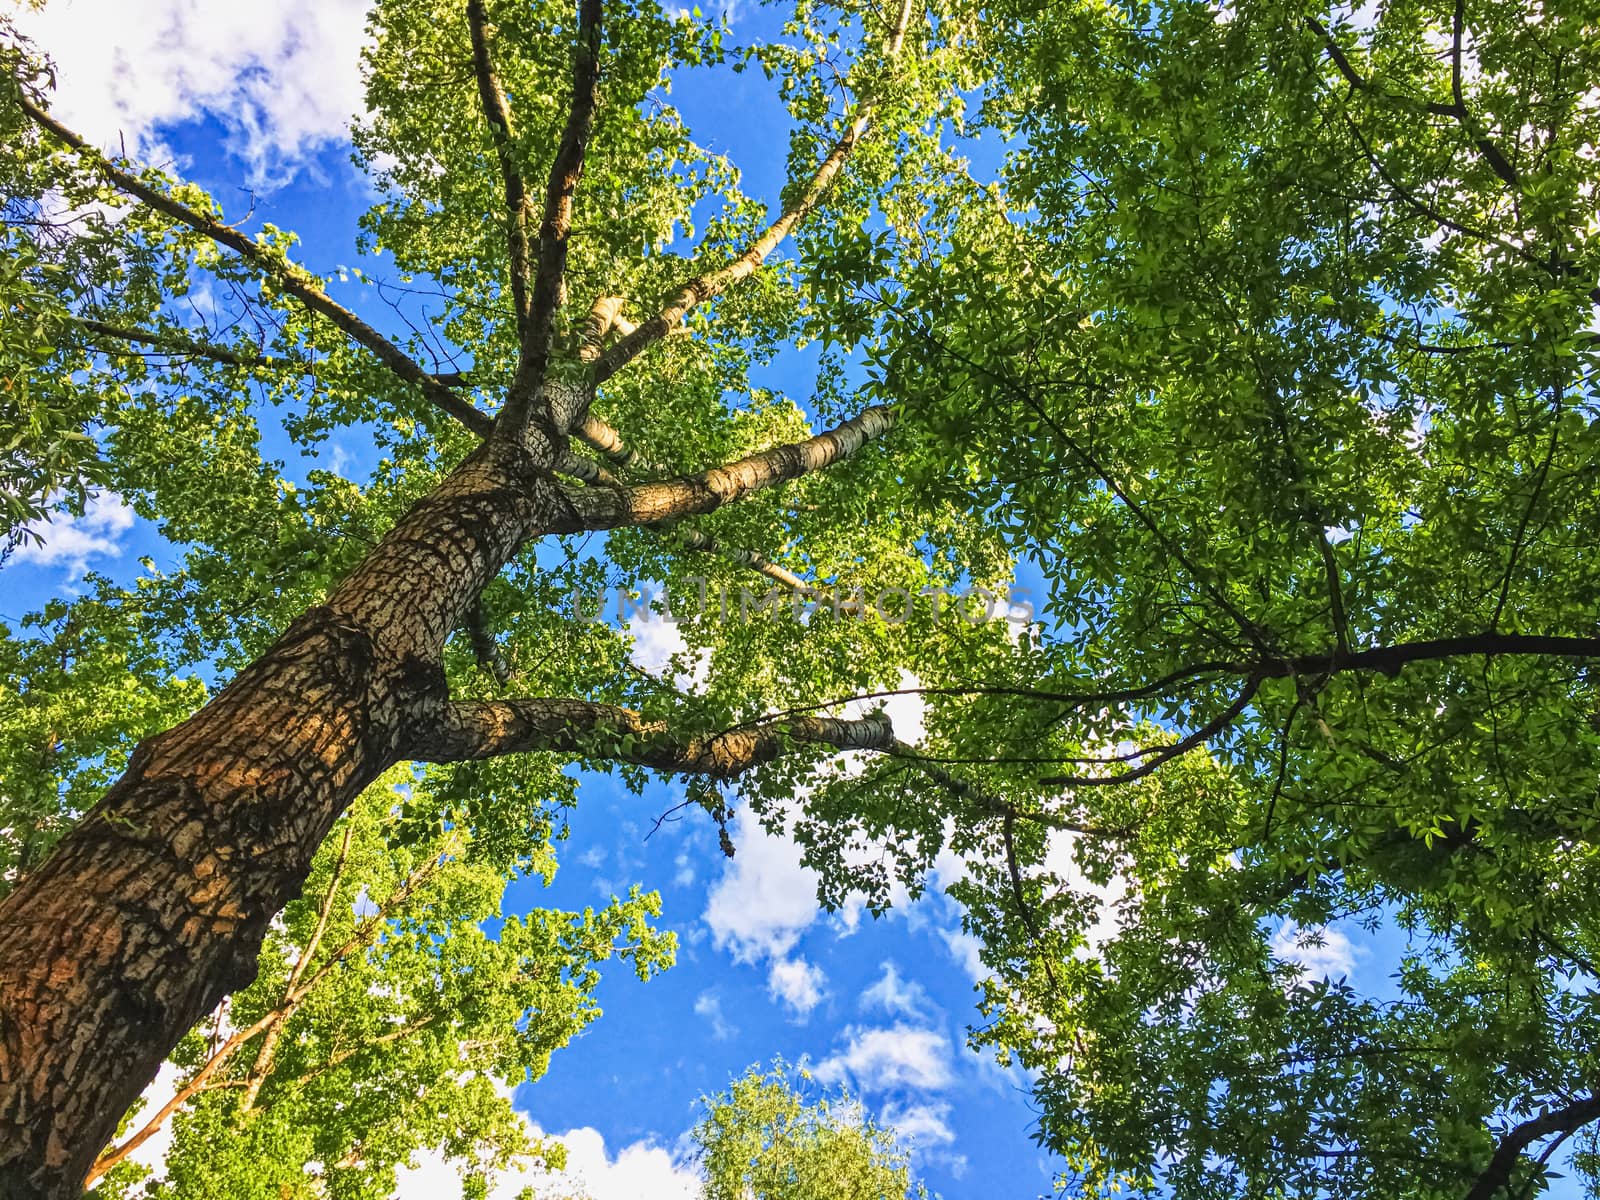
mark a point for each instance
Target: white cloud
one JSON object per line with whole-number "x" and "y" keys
{"x": 759, "y": 908}
{"x": 886, "y": 1058}
{"x": 797, "y": 983}
{"x": 64, "y": 540}
{"x": 656, "y": 641}
{"x": 923, "y": 1125}
{"x": 638, "y": 1170}
{"x": 685, "y": 873}
{"x": 283, "y": 79}
{"x": 765, "y": 898}
{"x": 894, "y": 994}
{"x": 708, "y": 1006}
{"x": 966, "y": 949}
{"x": 1319, "y": 952}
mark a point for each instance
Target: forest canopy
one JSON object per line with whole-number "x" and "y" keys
{"x": 1252, "y": 345}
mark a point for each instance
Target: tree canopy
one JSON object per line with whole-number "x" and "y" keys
{"x": 1263, "y": 354}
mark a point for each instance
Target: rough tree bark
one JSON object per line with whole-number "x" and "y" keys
{"x": 154, "y": 907}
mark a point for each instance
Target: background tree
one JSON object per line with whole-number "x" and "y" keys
{"x": 761, "y": 1138}
{"x": 1278, "y": 351}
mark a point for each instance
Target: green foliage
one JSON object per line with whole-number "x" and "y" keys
{"x": 395, "y": 1008}
{"x": 761, "y": 1139}
{"x": 1267, "y": 359}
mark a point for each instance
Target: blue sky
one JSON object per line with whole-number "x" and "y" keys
{"x": 253, "y": 104}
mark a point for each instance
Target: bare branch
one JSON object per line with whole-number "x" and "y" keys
{"x": 465, "y": 730}
{"x": 693, "y": 539}
{"x": 1356, "y": 80}
{"x": 711, "y": 284}
{"x": 200, "y": 1083}
{"x": 384, "y": 1039}
{"x": 655, "y": 503}
{"x": 289, "y": 275}
{"x": 994, "y": 805}
{"x": 173, "y": 344}
{"x": 1457, "y": 109}
{"x": 1160, "y": 756}
{"x": 1498, "y": 163}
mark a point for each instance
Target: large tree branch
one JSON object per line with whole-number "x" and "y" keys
{"x": 669, "y": 499}
{"x": 1389, "y": 660}
{"x": 289, "y": 275}
{"x": 1506, "y": 1155}
{"x": 602, "y": 437}
{"x": 465, "y": 730}
{"x": 498, "y": 113}
{"x": 554, "y": 229}
{"x": 711, "y": 284}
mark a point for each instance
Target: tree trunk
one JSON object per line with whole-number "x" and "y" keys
{"x": 154, "y": 907}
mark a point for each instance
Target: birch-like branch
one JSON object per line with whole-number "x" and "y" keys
{"x": 466, "y": 730}
{"x": 586, "y": 470}
{"x": 600, "y": 436}
{"x": 711, "y": 284}
{"x": 274, "y": 1031}
{"x": 669, "y": 499}
{"x": 604, "y": 316}
{"x": 290, "y": 276}
{"x": 549, "y": 282}
{"x": 693, "y": 539}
